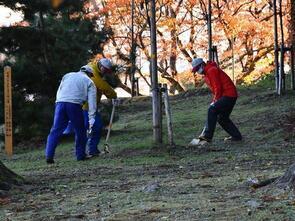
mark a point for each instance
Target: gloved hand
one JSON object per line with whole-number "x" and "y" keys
{"x": 89, "y": 131}
{"x": 116, "y": 101}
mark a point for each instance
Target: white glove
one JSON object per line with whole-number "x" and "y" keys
{"x": 91, "y": 122}
{"x": 116, "y": 101}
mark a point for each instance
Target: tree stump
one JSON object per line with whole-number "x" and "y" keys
{"x": 8, "y": 178}
{"x": 287, "y": 181}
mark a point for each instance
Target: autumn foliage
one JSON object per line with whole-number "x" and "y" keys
{"x": 242, "y": 32}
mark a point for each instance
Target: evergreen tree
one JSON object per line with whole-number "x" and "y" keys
{"x": 40, "y": 50}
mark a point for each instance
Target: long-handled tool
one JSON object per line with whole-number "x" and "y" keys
{"x": 106, "y": 145}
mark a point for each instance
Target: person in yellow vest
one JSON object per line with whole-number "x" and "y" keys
{"x": 101, "y": 69}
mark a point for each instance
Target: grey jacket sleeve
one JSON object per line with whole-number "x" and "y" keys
{"x": 91, "y": 101}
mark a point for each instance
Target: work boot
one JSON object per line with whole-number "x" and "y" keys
{"x": 49, "y": 161}
{"x": 230, "y": 138}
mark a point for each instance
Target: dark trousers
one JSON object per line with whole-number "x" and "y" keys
{"x": 220, "y": 112}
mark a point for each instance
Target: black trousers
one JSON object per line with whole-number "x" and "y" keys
{"x": 220, "y": 112}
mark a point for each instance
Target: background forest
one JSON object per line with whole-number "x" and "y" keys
{"x": 50, "y": 42}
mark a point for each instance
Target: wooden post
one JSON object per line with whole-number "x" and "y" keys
{"x": 160, "y": 113}
{"x": 168, "y": 116}
{"x": 8, "y": 111}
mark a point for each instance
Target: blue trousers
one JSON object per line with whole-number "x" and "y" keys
{"x": 64, "y": 112}
{"x": 220, "y": 112}
{"x": 93, "y": 141}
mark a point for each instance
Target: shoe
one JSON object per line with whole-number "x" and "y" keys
{"x": 204, "y": 139}
{"x": 197, "y": 142}
{"x": 228, "y": 139}
{"x": 49, "y": 161}
{"x": 89, "y": 156}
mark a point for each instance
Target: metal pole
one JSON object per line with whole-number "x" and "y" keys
{"x": 209, "y": 23}
{"x": 133, "y": 48}
{"x": 276, "y": 46}
{"x": 154, "y": 76}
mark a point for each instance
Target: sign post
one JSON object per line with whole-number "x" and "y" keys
{"x": 8, "y": 111}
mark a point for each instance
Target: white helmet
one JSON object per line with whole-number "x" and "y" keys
{"x": 87, "y": 69}
{"x": 106, "y": 63}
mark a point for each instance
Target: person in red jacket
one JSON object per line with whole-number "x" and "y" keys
{"x": 224, "y": 99}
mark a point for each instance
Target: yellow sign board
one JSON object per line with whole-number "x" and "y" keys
{"x": 8, "y": 111}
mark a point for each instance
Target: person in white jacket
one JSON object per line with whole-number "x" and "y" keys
{"x": 74, "y": 90}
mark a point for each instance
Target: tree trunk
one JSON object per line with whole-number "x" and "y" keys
{"x": 7, "y": 177}
{"x": 287, "y": 181}
{"x": 126, "y": 88}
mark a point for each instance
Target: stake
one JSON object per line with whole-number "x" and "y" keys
{"x": 168, "y": 116}
{"x": 106, "y": 145}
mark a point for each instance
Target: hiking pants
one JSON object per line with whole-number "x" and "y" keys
{"x": 64, "y": 112}
{"x": 220, "y": 111}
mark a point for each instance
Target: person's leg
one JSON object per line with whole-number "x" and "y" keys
{"x": 208, "y": 131}
{"x": 76, "y": 116}
{"x": 59, "y": 124}
{"x": 96, "y": 135}
{"x": 69, "y": 129}
{"x": 226, "y": 123}
{"x": 219, "y": 107}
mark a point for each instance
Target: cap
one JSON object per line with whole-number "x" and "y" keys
{"x": 196, "y": 64}
{"x": 87, "y": 69}
{"x": 106, "y": 63}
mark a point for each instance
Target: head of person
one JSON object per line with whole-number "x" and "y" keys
{"x": 198, "y": 65}
{"x": 105, "y": 66}
{"x": 87, "y": 70}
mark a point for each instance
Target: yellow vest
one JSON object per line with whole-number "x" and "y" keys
{"x": 102, "y": 86}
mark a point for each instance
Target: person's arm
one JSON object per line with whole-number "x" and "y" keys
{"x": 92, "y": 106}
{"x": 104, "y": 87}
{"x": 215, "y": 83}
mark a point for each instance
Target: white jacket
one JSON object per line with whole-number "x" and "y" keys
{"x": 77, "y": 88}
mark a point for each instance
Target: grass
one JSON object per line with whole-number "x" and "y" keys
{"x": 140, "y": 182}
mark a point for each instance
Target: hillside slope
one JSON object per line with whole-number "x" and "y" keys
{"x": 139, "y": 182}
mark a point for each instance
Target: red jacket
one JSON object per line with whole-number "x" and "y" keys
{"x": 219, "y": 82}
